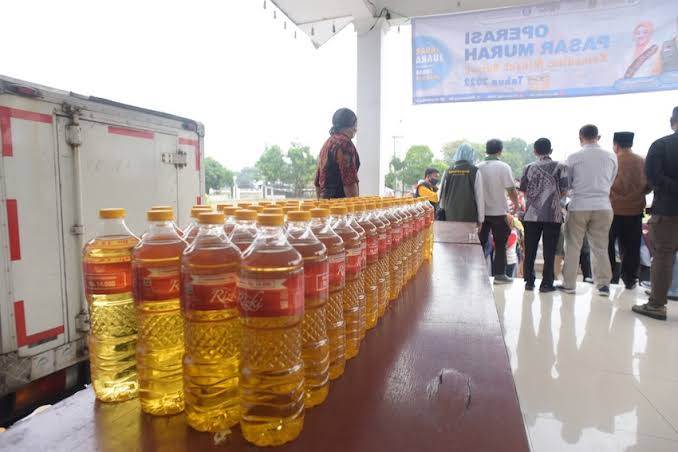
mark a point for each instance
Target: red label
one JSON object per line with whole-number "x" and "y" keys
{"x": 372, "y": 249}
{"x": 397, "y": 236}
{"x": 210, "y": 292}
{"x": 363, "y": 253}
{"x": 157, "y": 283}
{"x": 107, "y": 279}
{"x": 317, "y": 279}
{"x": 274, "y": 297}
{"x": 353, "y": 263}
{"x": 428, "y": 220}
{"x": 338, "y": 270}
{"x": 383, "y": 244}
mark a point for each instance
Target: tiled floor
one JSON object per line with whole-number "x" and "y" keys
{"x": 590, "y": 374}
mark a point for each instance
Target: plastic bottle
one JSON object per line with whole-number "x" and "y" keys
{"x": 372, "y": 265}
{"x": 384, "y": 245}
{"x": 315, "y": 342}
{"x": 192, "y": 230}
{"x": 355, "y": 283}
{"x": 336, "y": 328}
{"x": 229, "y": 220}
{"x": 245, "y": 230}
{"x": 408, "y": 234}
{"x": 396, "y": 263}
{"x": 176, "y": 228}
{"x": 271, "y": 313}
{"x": 210, "y": 269}
{"x": 351, "y": 218}
{"x": 107, "y": 272}
{"x": 160, "y": 344}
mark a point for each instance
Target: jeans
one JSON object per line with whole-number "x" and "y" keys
{"x": 533, "y": 233}
{"x": 500, "y": 231}
{"x": 629, "y": 231}
{"x": 665, "y": 242}
{"x": 594, "y": 224}
{"x": 673, "y": 291}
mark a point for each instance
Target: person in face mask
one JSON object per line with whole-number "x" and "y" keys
{"x": 428, "y": 188}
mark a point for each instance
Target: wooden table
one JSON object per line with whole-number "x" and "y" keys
{"x": 433, "y": 376}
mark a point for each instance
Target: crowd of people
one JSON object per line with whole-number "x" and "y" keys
{"x": 589, "y": 207}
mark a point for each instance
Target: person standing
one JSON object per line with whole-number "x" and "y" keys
{"x": 338, "y": 162}
{"x": 661, "y": 169}
{"x": 497, "y": 180}
{"x": 544, "y": 182}
{"x": 592, "y": 171}
{"x": 628, "y": 203}
{"x": 428, "y": 188}
{"x": 461, "y": 192}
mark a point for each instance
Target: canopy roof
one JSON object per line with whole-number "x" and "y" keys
{"x": 322, "y": 19}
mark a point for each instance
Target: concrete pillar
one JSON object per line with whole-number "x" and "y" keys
{"x": 369, "y": 142}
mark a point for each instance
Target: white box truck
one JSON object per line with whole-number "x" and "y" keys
{"x": 65, "y": 156}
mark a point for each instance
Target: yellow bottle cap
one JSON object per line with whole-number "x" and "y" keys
{"x": 244, "y": 204}
{"x": 269, "y": 219}
{"x": 246, "y": 215}
{"x": 160, "y": 215}
{"x": 273, "y": 210}
{"x": 320, "y": 213}
{"x": 350, "y": 208}
{"x": 221, "y": 206}
{"x": 338, "y": 210}
{"x": 198, "y": 210}
{"x": 360, "y": 207}
{"x": 202, "y": 206}
{"x": 162, "y": 208}
{"x": 299, "y": 215}
{"x": 109, "y": 214}
{"x": 211, "y": 218}
{"x": 230, "y": 211}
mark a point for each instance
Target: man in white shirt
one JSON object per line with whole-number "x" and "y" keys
{"x": 497, "y": 180}
{"x": 592, "y": 172}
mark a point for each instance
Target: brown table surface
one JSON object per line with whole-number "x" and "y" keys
{"x": 433, "y": 376}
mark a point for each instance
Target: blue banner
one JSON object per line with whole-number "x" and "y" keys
{"x": 558, "y": 49}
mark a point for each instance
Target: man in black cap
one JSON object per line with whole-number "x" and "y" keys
{"x": 627, "y": 196}
{"x": 661, "y": 169}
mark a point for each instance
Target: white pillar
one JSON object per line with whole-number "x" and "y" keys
{"x": 369, "y": 140}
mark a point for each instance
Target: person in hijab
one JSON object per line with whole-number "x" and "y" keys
{"x": 338, "y": 162}
{"x": 461, "y": 193}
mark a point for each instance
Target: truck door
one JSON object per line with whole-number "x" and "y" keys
{"x": 190, "y": 176}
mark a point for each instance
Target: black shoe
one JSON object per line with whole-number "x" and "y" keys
{"x": 604, "y": 291}
{"x": 529, "y": 286}
{"x": 655, "y": 312}
{"x": 630, "y": 285}
{"x": 547, "y": 289}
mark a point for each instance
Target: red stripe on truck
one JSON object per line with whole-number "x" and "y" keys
{"x": 131, "y": 132}
{"x": 196, "y": 145}
{"x": 6, "y": 126}
{"x": 22, "y": 337}
{"x": 13, "y": 230}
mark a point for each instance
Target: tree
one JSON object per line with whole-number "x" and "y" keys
{"x": 417, "y": 159}
{"x": 517, "y": 154}
{"x": 247, "y": 177}
{"x": 271, "y": 165}
{"x": 216, "y": 175}
{"x": 393, "y": 176}
{"x": 300, "y": 168}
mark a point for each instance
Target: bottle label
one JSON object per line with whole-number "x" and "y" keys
{"x": 363, "y": 253}
{"x": 353, "y": 262}
{"x": 210, "y": 292}
{"x": 397, "y": 236}
{"x": 372, "y": 249}
{"x": 383, "y": 244}
{"x": 278, "y": 297}
{"x": 107, "y": 279}
{"x": 158, "y": 283}
{"x": 117, "y": 244}
{"x": 338, "y": 270}
{"x": 317, "y": 279}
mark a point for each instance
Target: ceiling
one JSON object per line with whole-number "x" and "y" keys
{"x": 322, "y": 19}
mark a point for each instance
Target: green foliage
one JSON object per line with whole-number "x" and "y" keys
{"x": 216, "y": 175}
{"x": 440, "y": 165}
{"x": 516, "y": 153}
{"x": 300, "y": 167}
{"x": 271, "y": 165}
{"x": 417, "y": 159}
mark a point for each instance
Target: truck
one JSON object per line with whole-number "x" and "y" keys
{"x": 65, "y": 156}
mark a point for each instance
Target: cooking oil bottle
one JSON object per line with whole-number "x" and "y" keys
{"x": 192, "y": 230}
{"x": 336, "y": 328}
{"x": 271, "y": 303}
{"x": 383, "y": 274}
{"x": 210, "y": 269}
{"x": 315, "y": 342}
{"x": 245, "y": 229}
{"x": 174, "y": 223}
{"x": 371, "y": 269}
{"x": 351, "y": 218}
{"x": 160, "y": 344}
{"x": 355, "y": 283}
{"x": 395, "y": 260}
{"x": 107, "y": 271}
{"x": 229, "y": 220}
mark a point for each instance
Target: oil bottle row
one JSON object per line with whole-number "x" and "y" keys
{"x": 249, "y": 313}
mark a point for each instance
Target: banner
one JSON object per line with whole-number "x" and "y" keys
{"x": 558, "y": 49}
